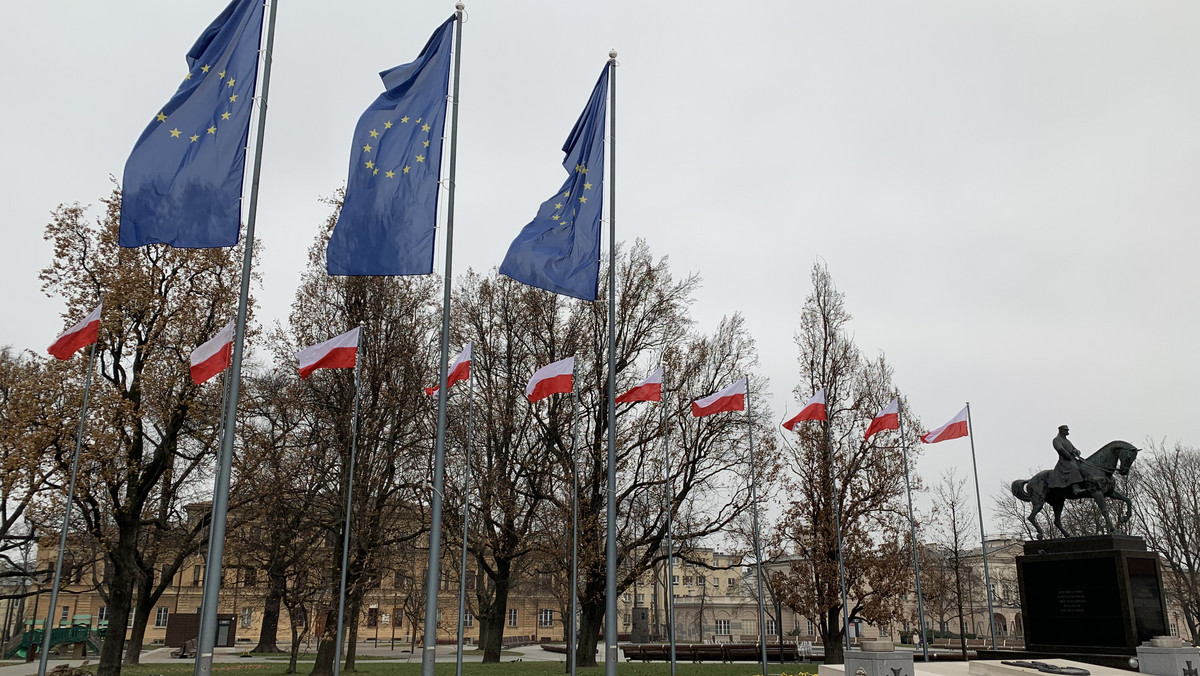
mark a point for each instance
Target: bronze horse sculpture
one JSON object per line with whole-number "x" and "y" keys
{"x": 1098, "y": 484}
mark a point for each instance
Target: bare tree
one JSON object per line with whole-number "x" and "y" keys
{"x": 869, "y": 486}
{"x": 954, "y": 531}
{"x": 153, "y": 431}
{"x": 1167, "y": 496}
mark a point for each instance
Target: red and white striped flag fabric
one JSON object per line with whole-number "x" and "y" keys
{"x": 813, "y": 410}
{"x": 732, "y": 398}
{"x": 460, "y": 369}
{"x": 336, "y": 353}
{"x": 649, "y": 389}
{"x": 556, "y": 378}
{"x": 888, "y": 419}
{"x": 214, "y": 356}
{"x": 957, "y": 427}
{"x": 82, "y": 334}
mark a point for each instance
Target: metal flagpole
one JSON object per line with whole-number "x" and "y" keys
{"x": 337, "y": 646}
{"x": 837, "y": 517}
{"x": 572, "y": 648}
{"x": 987, "y": 578}
{"x": 670, "y": 547}
{"x": 912, "y": 523}
{"x": 610, "y": 583}
{"x": 216, "y": 541}
{"x": 429, "y": 652}
{"x": 762, "y": 626}
{"x": 462, "y": 575}
{"x": 62, "y": 535}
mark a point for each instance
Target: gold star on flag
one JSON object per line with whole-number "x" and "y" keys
{"x": 567, "y": 193}
{"x": 233, "y": 99}
{"x": 583, "y": 199}
{"x": 558, "y": 206}
{"x": 420, "y": 158}
{"x": 204, "y": 68}
{"x": 160, "y": 117}
{"x": 390, "y": 174}
{"x": 582, "y": 169}
{"x": 406, "y": 169}
{"x": 370, "y": 164}
{"x": 231, "y": 81}
{"x": 367, "y": 148}
{"x": 373, "y": 173}
{"x": 195, "y": 137}
{"x": 225, "y": 116}
{"x": 387, "y": 125}
{"x": 554, "y": 217}
{"x": 221, "y": 75}
{"x": 188, "y": 76}
{"x": 424, "y": 127}
{"x": 418, "y": 120}
{"x": 427, "y": 144}
{"x": 374, "y": 134}
{"x": 174, "y": 133}
{"x": 587, "y": 186}
{"x": 404, "y": 119}
{"x": 212, "y": 130}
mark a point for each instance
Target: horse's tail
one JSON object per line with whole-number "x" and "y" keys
{"x": 1018, "y": 490}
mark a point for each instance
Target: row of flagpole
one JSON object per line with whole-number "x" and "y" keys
{"x": 229, "y": 44}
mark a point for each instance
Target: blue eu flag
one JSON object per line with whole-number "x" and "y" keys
{"x": 183, "y": 180}
{"x": 559, "y": 250}
{"x": 389, "y": 216}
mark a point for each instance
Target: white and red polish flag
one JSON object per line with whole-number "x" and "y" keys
{"x": 214, "y": 356}
{"x": 732, "y": 398}
{"x": 649, "y": 389}
{"x": 957, "y": 427}
{"x": 813, "y": 410}
{"x": 556, "y": 378}
{"x": 82, "y": 334}
{"x": 460, "y": 369}
{"x": 336, "y": 353}
{"x": 888, "y": 419}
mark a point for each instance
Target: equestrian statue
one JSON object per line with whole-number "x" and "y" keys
{"x": 1075, "y": 477}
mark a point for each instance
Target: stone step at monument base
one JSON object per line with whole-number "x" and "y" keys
{"x": 982, "y": 668}
{"x": 1111, "y": 660}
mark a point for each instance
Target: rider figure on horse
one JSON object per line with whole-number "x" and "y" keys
{"x": 1067, "y": 471}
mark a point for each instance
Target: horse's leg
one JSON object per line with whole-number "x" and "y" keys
{"x": 1098, "y": 496}
{"x": 1116, "y": 495}
{"x": 1057, "y": 504}
{"x": 1038, "y": 503}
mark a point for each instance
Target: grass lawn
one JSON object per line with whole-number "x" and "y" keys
{"x": 447, "y": 669}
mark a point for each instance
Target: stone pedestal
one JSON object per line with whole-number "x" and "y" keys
{"x": 879, "y": 658}
{"x": 1084, "y": 595}
{"x": 1167, "y": 656}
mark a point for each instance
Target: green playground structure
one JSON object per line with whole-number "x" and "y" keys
{"x": 31, "y": 641}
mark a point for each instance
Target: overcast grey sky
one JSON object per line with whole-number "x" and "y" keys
{"x": 1005, "y": 191}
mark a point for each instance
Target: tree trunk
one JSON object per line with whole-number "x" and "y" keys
{"x": 832, "y": 638}
{"x": 352, "y": 633}
{"x": 962, "y": 624}
{"x": 141, "y": 618}
{"x": 268, "y": 640}
{"x": 327, "y": 648}
{"x": 294, "y": 649}
{"x": 591, "y": 620}
{"x": 120, "y": 598}
{"x": 492, "y": 636}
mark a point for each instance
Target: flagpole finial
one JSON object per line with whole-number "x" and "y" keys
{"x": 460, "y": 7}
{"x": 612, "y": 55}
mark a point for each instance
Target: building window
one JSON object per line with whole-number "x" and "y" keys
{"x": 723, "y": 627}
{"x": 512, "y": 617}
{"x": 66, "y": 614}
{"x": 196, "y": 576}
{"x": 249, "y": 576}
{"x": 160, "y": 616}
{"x": 812, "y": 628}
{"x": 625, "y": 619}
{"x": 771, "y": 627}
{"x": 687, "y": 579}
{"x": 468, "y": 619}
{"x": 372, "y": 618}
{"x": 102, "y": 614}
{"x": 641, "y": 598}
{"x": 674, "y": 579}
{"x": 732, "y": 581}
{"x": 702, "y": 580}
{"x": 246, "y": 618}
{"x": 546, "y": 617}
